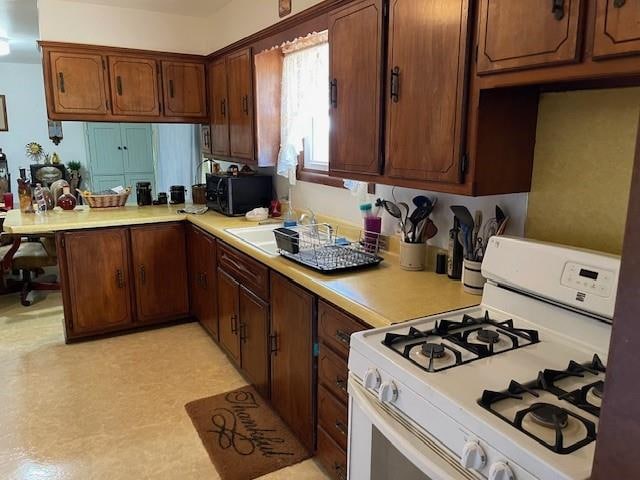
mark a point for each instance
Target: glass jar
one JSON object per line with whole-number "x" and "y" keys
{"x": 143, "y": 193}
{"x": 177, "y": 194}
{"x": 66, "y": 201}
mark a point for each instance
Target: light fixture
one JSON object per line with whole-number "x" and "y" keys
{"x": 4, "y": 46}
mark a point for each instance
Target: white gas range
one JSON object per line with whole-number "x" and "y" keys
{"x": 507, "y": 390}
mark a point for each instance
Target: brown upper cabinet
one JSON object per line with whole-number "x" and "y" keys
{"x": 426, "y": 89}
{"x": 134, "y": 86}
{"x": 617, "y": 30}
{"x": 108, "y": 84}
{"x": 240, "y": 87}
{"x": 525, "y": 33}
{"x": 219, "y": 107}
{"x": 355, "y": 83}
{"x": 184, "y": 89}
{"x": 75, "y": 83}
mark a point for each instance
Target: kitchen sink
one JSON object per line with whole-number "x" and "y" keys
{"x": 260, "y": 237}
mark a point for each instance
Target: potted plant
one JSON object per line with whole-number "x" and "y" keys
{"x": 74, "y": 175}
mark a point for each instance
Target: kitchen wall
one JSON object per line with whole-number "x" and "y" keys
{"x": 241, "y": 18}
{"x": 582, "y": 170}
{"x": 23, "y": 86}
{"x": 60, "y": 20}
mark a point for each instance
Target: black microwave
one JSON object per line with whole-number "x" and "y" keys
{"x": 236, "y": 196}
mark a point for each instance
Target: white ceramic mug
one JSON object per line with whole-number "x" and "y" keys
{"x": 472, "y": 279}
{"x": 412, "y": 256}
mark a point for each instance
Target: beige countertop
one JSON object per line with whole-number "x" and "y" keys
{"x": 379, "y": 296}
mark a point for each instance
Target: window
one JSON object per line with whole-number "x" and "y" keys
{"x": 305, "y": 107}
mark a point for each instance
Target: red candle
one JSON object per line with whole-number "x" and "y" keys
{"x": 8, "y": 200}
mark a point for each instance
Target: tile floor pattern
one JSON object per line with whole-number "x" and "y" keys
{"x": 107, "y": 409}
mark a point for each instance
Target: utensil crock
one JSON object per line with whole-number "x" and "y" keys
{"x": 472, "y": 279}
{"x": 412, "y": 255}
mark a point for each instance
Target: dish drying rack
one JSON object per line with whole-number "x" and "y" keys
{"x": 318, "y": 246}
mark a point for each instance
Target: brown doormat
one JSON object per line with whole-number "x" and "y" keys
{"x": 244, "y": 438}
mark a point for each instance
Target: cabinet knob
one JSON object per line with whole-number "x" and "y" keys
{"x": 557, "y": 8}
{"x": 619, "y": 3}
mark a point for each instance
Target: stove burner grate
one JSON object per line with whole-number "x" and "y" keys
{"x": 598, "y": 389}
{"x": 457, "y": 333}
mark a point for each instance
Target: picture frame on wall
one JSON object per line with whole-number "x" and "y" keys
{"x": 284, "y": 7}
{"x": 4, "y": 123}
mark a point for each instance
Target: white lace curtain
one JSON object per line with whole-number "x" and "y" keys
{"x": 305, "y": 72}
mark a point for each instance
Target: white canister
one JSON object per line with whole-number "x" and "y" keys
{"x": 412, "y": 255}
{"x": 472, "y": 279}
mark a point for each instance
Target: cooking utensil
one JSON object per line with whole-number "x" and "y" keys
{"x": 430, "y": 230}
{"x": 500, "y": 216}
{"x": 417, "y": 216}
{"x": 404, "y": 209}
{"x": 502, "y": 226}
{"x": 476, "y": 227}
{"x": 421, "y": 201}
{"x": 464, "y": 215}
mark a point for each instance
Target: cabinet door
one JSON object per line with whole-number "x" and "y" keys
{"x": 425, "y": 106}
{"x": 184, "y": 89}
{"x": 134, "y": 86}
{"x": 617, "y": 29}
{"x": 201, "y": 250}
{"x": 78, "y": 83}
{"x": 137, "y": 147}
{"x": 292, "y": 359}
{"x": 254, "y": 335}
{"x": 240, "y": 86}
{"x": 106, "y": 154}
{"x": 527, "y": 33}
{"x": 160, "y": 268}
{"x": 228, "y": 299}
{"x": 355, "y": 69}
{"x": 98, "y": 283}
{"x": 219, "y": 107}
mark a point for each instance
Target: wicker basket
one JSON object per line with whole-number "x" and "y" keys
{"x": 107, "y": 201}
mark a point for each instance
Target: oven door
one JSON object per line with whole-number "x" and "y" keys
{"x": 384, "y": 445}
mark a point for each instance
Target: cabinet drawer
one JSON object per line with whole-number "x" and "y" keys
{"x": 335, "y": 328}
{"x": 246, "y": 270}
{"x": 333, "y": 416}
{"x": 331, "y": 456}
{"x": 333, "y": 373}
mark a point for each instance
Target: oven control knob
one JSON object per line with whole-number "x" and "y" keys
{"x": 388, "y": 392}
{"x": 501, "y": 471}
{"x": 473, "y": 456}
{"x": 372, "y": 379}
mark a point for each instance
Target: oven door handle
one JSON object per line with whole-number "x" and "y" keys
{"x": 430, "y": 458}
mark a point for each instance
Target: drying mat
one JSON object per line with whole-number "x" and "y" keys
{"x": 244, "y": 438}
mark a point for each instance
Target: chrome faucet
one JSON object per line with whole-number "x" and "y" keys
{"x": 308, "y": 218}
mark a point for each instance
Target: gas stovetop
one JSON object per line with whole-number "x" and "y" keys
{"x": 543, "y": 408}
{"x": 451, "y": 343}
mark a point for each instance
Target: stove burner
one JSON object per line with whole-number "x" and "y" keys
{"x": 598, "y": 389}
{"x": 548, "y": 415}
{"x": 488, "y": 336}
{"x": 433, "y": 350}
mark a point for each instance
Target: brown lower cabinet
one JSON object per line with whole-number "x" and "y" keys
{"x": 105, "y": 290}
{"x": 293, "y": 365}
{"x": 334, "y": 334}
{"x": 159, "y": 260}
{"x": 201, "y": 254}
{"x": 244, "y": 324}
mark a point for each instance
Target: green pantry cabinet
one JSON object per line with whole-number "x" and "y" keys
{"x": 120, "y": 154}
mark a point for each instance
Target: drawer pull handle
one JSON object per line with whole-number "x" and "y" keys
{"x": 238, "y": 266}
{"x": 234, "y": 324}
{"x": 273, "y": 343}
{"x": 395, "y": 84}
{"x": 61, "y": 82}
{"x": 243, "y": 332}
{"x": 223, "y": 107}
{"x": 205, "y": 282}
{"x": 119, "y": 84}
{"x": 341, "y": 383}
{"x": 171, "y": 93}
{"x": 343, "y": 337}
{"x": 119, "y": 278}
{"x": 333, "y": 92}
{"x": 619, "y": 3}
{"x": 341, "y": 427}
{"x": 557, "y": 9}
{"x": 341, "y": 471}
{"x": 245, "y": 104}
{"x": 143, "y": 275}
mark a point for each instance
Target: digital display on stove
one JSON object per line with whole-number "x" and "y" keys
{"x": 588, "y": 274}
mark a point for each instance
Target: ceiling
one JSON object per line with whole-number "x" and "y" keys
{"x": 190, "y": 8}
{"x": 19, "y": 23}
